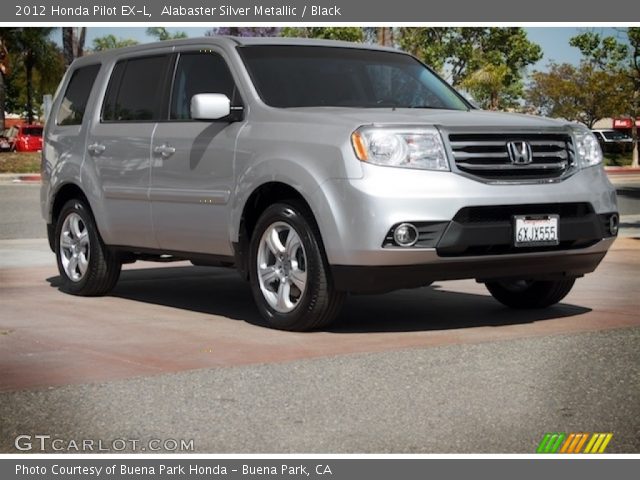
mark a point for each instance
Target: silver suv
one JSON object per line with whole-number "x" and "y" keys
{"x": 316, "y": 169}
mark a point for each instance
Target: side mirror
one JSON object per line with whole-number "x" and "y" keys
{"x": 210, "y": 106}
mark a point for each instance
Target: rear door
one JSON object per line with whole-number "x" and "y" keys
{"x": 66, "y": 129}
{"x": 192, "y": 170}
{"x": 120, "y": 145}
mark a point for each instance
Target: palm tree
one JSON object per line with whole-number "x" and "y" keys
{"x": 73, "y": 43}
{"x": 385, "y": 36}
{"x": 487, "y": 84}
{"x": 109, "y": 42}
{"x": 162, "y": 33}
{"x": 37, "y": 51}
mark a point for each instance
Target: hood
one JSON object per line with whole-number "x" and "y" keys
{"x": 449, "y": 119}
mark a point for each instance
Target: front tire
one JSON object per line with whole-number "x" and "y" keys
{"x": 528, "y": 294}
{"x": 288, "y": 273}
{"x": 87, "y": 267}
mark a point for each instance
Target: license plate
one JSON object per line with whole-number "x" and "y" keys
{"x": 535, "y": 230}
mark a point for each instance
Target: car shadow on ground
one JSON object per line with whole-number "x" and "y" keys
{"x": 219, "y": 291}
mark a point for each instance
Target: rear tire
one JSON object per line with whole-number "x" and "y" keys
{"x": 528, "y": 294}
{"x": 87, "y": 267}
{"x": 289, "y": 275}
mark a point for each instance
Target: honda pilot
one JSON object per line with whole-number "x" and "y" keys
{"x": 316, "y": 169}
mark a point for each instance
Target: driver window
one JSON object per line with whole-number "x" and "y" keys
{"x": 202, "y": 72}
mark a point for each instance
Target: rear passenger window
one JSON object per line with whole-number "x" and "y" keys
{"x": 135, "y": 90}
{"x": 75, "y": 99}
{"x": 199, "y": 73}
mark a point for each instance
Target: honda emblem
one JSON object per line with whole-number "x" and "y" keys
{"x": 519, "y": 153}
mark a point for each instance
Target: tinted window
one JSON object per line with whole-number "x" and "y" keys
{"x": 75, "y": 99}
{"x": 615, "y": 135}
{"x": 35, "y": 131}
{"x": 301, "y": 76}
{"x": 135, "y": 90}
{"x": 199, "y": 73}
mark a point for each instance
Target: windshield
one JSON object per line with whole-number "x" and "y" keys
{"x": 613, "y": 135}
{"x": 301, "y": 76}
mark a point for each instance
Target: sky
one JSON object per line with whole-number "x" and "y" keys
{"x": 553, "y": 40}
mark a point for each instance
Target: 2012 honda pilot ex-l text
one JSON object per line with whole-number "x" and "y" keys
{"x": 315, "y": 168}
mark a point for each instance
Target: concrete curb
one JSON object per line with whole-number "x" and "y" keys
{"x": 28, "y": 178}
{"x": 622, "y": 170}
{"x": 20, "y": 177}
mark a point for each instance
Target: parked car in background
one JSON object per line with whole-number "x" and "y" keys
{"x": 614, "y": 141}
{"x": 22, "y": 138}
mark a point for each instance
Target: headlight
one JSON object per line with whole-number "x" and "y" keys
{"x": 587, "y": 148}
{"x": 405, "y": 147}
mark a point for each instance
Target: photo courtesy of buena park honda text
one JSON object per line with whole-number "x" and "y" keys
{"x": 328, "y": 239}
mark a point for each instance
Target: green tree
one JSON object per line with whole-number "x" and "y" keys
{"x": 616, "y": 56}
{"x": 487, "y": 84}
{"x": 43, "y": 82}
{"x": 582, "y": 94}
{"x": 244, "y": 31}
{"x": 109, "y": 42}
{"x": 162, "y": 33}
{"x": 431, "y": 45}
{"x": 32, "y": 49}
{"x": 477, "y": 56}
{"x": 349, "y": 34}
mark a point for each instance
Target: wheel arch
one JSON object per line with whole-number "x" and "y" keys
{"x": 64, "y": 193}
{"x": 258, "y": 201}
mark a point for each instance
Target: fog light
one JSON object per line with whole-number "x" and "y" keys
{"x": 614, "y": 224}
{"x": 405, "y": 235}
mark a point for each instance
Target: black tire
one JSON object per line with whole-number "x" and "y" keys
{"x": 320, "y": 303}
{"x": 528, "y": 294}
{"x": 103, "y": 266}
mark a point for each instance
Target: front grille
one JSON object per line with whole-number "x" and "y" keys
{"x": 486, "y": 155}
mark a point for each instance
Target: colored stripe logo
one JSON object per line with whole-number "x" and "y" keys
{"x": 574, "y": 442}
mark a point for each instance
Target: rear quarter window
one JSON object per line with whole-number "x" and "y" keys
{"x": 74, "y": 101}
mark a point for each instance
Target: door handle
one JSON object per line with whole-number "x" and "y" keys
{"x": 96, "y": 148}
{"x": 165, "y": 150}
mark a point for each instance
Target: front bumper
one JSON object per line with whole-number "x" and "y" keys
{"x": 538, "y": 266}
{"x": 356, "y": 215}
{"x": 467, "y": 226}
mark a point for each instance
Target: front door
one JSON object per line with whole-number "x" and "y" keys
{"x": 192, "y": 167}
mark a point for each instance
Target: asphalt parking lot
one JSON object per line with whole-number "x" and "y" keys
{"x": 179, "y": 352}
